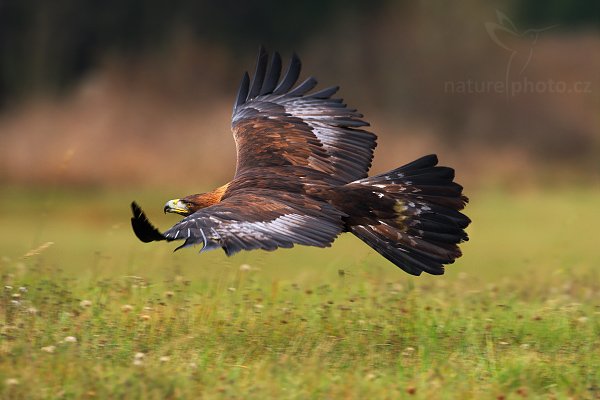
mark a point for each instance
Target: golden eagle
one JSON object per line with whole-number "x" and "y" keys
{"x": 301, "y": 178}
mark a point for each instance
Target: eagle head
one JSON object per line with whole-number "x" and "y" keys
{"x": 178, "y": 206}
{"x": 194, "y": 202}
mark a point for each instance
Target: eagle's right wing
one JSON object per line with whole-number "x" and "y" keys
{"x": 259, "y": 219}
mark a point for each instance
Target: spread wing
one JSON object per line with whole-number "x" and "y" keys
{"x": 277, "y": 124}
{"x": 260, "y": 219}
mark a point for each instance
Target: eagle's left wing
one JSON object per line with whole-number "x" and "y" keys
{"x": 259, "y": 219}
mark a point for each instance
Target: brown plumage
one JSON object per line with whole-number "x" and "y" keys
{"x": 198, "y": 201}
{"x": 301, "y": 178}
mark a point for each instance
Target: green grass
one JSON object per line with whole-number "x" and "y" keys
{"x": 517, "y": 316}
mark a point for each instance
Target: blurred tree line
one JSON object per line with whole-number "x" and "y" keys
{"x": 47, "y": 45}
{"x": 582, "y": 13}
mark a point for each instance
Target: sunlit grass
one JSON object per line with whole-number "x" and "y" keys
{"x": 97, "y": 314}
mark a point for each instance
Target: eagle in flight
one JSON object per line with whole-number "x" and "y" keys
{"x": 301, "y": 178}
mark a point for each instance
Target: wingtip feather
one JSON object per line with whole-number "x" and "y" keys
{"x": 259, "y": 73}
{"x": 143, "y": 229}
{"x": 243, "y": 90}
{"x": 272, "y": 76}
{"x": 291, "y": 75}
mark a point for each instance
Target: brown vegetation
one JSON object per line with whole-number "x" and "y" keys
{"x": 155, "y": 118}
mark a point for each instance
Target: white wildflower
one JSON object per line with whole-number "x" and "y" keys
{"x": 126, "y": 308}
{"x": 245, "y": 267}
{"x": 49, "y": 349}
{"x": 85, "y": 303}
{"x": 408, "y": 351}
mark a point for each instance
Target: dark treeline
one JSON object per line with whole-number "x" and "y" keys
{"x": 47, "y": 45}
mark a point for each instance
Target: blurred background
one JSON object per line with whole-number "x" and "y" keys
{"x": 105, "y": 102}
{"x": 130, "y": 92}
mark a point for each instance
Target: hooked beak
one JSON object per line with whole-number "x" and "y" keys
{"x": 176, "y": 206}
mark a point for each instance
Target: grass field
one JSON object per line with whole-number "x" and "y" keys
{"x": 97, "y": 314}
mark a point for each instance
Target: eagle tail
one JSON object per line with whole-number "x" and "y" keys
{"x": 410, "y": 215}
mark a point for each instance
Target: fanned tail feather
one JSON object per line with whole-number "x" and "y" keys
{"x": 414, "y": 217}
